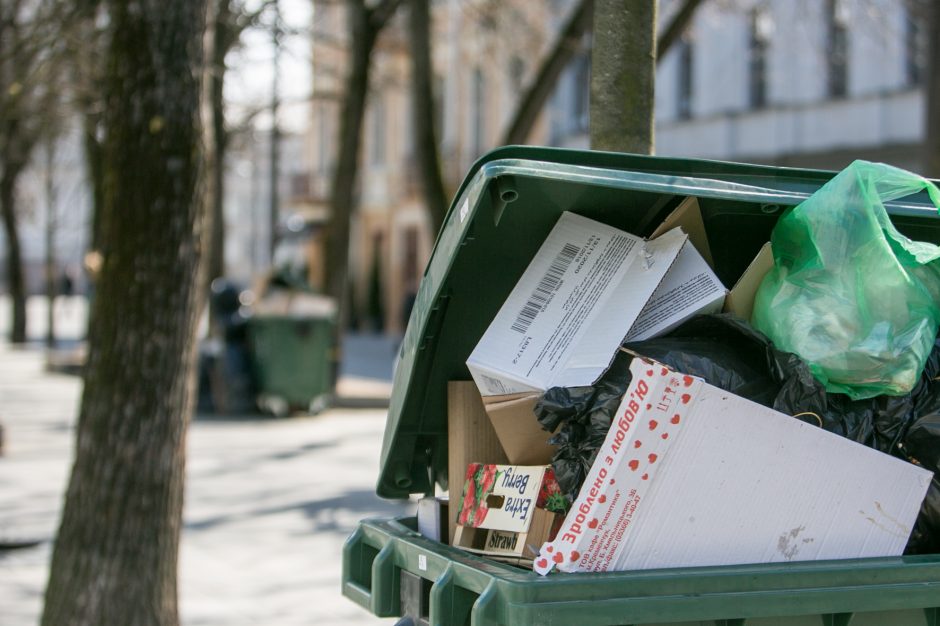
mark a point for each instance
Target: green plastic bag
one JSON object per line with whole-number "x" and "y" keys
{"x": 849, "y": 294}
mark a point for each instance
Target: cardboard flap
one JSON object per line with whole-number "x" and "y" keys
{"x": 740, "y": 300}
{"x": 688, "y": 217}
{"x": 519, "y": 432}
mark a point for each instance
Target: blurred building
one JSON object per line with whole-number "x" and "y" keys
{"x": 803, "y": 83}
{"x": 483, "y": 51}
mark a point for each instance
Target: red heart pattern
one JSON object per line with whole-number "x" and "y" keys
{"x": 549, "y": 549}
{"x": 685, "y": 398}
{"x": 645, "y": 476}
{"x": 675, "y": 419}
{"x": 575, "y": 555}
{"x": 653, "y": 424}
{"x": 664, "y": 371}
{"x": 602, "y": 498}
{"x": 649, "y": 372}
{"x": 542, "y": 563}
{"x": 634, "y": 464}
{"x": 637, "y": 443}
{"x": 593, "y": 523}
{"x": 652, "y": 457}
{"x": 687, "y": 381}
{"x": 558, "y": 558}
{"x": 665, "y": 435}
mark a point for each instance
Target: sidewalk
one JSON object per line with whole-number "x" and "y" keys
{"x": 268, "y": 504}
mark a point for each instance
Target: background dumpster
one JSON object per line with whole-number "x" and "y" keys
{"x": 503, "y": 211}
{"x": 291, "y": 335}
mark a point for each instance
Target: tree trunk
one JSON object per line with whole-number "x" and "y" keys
{"x": 623, "y": 76}
{"x": 115, "y": 556}
{"x": 16, "y": 283}
{"x": 432, "y": 184}
{"x": 50, "y": 244}
{"x": 361, "y": 41}
{"x": 222, "y": 42}
{"x": 932, "y": 93}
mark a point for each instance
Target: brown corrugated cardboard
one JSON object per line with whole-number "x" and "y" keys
{"x": 470, "y": 437}
{"x": 522, "y": 438}
{"x": 740, "y": 300}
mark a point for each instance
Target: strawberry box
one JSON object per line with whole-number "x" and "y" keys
{"x": 508, "y": 511}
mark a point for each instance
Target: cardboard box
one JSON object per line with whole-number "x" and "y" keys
{"x": 508, "y": 511}
{"x": 470, "y": 438}
{"x": 588, "y": 288}
{"x": 692, "y": 475}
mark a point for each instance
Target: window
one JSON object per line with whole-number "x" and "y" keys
{"x": 479, "y": 113}
{"x": 915, "y": 44}
{"x": 837, "y": 48}
{"x": 684, "y": 98}
{"x": 378, "y": 131}
{"x": 761, "y": 30}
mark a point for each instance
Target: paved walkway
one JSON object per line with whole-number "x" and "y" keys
{"x": 268, "y": 504}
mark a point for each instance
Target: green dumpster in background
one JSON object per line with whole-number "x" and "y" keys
{"x": 290, "y": 338}
{"x": 503, "y": 211}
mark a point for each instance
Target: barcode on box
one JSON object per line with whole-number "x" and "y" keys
{"x": 545, "y": 288}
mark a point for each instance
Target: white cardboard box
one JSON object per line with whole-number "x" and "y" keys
{"x": 692, "y": 475}
{"x": 589, "y": 286}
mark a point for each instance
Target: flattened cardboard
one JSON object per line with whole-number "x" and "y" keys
{"x": 575, "y": 302}
{"x": 740, "y": 300}
{"x": 692, "y": 475}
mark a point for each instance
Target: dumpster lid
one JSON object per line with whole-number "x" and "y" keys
{"x": 503, "y": 210}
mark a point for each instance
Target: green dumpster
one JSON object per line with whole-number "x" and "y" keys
{"x": 290, "y": 345}
{"x": 505, "y": 208}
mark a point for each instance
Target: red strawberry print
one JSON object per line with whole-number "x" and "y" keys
{"x": 665, "y": 435}
{"x": 542, "y": 563}
{"x": 652, "y": 458}
{"x": 645, "y": 476}
{"x": 637, "y": 443}
{"x": 675, "y": 419}
{"x": 685, "y": 398}
{"x": 602, "y": 498}
{"x": 593, "y": 523}
{"x": 575, "y": 555}
{"x": 687, "y": 381}
{"x": 634, "y": 464}
{"x": 653, "y": 424}
{"x": 558, "y": 558}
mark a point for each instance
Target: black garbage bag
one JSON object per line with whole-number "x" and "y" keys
{"x": 728, "y": 353}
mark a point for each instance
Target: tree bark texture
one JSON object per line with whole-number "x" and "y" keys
{"x": 932, "y": 92}
{"x": 432, "y": 183}
{"x": 364, "y": 25}
{"x": 115, "y": 556}
{"x": 623, "y": 76}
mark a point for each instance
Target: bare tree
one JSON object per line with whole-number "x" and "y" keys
{"x": 365, "y": 22}
{"x": 29, "y": 53}
{"x": 422, "y": 98}
{"x": 115, "y": 556}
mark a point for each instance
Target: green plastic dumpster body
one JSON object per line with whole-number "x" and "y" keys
{"x": 505, "y": 208}
{"x": 290, "y": 358}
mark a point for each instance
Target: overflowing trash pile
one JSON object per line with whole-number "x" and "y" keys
{"x": 648, "y": 416}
